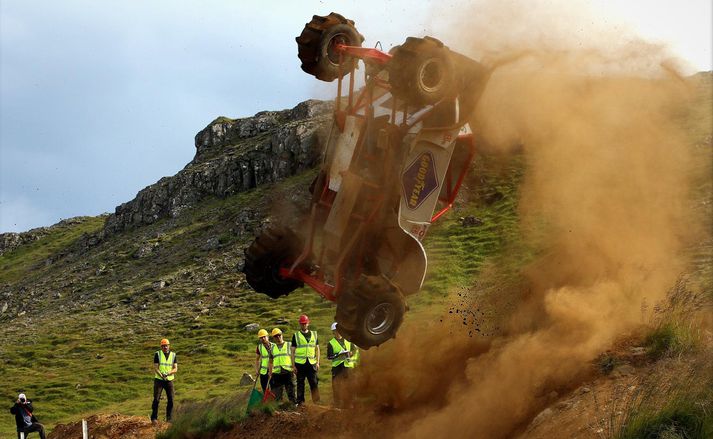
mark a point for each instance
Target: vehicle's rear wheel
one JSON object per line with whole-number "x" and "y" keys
{"x": 371, "y": 312}
{"x": 275, "y": 247}
{"x": 316, "y": 46}
{"x": 421, "y": 71}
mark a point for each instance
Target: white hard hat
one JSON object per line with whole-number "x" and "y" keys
{"x": 334, "y": 326}
{"x": 21, "y": 396}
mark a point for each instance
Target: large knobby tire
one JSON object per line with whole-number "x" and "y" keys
{"x": 275, "y": 247}
{"x": 421, "y": 72}
{"x": 371, "y": 312}
{"x": 316, "y": 46}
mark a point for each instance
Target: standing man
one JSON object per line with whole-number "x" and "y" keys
{"x": 280, "y": 367}
{"x": 305, "y": 356}
{"x": 165, "y": 367}
{"x": 264, "y": 355}
{"x": 339, "y": 350}
{"x": 25, "y": 421}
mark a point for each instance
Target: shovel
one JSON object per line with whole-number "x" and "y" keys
{"x": 269, "y": 396}
{"x": 255, "y": 396}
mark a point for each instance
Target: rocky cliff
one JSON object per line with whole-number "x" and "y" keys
{"x": 232, "y": 155}
{"x": 11, "y": 240}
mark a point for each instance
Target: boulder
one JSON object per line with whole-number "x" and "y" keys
{"x": 471, "y": 221}
{"x": 250, "y": 327}
{"x": 145, "y": 250}
{"x": 543, "y": 416}
{"x": 246, "y": 379}
{"x": 211, "y": 244}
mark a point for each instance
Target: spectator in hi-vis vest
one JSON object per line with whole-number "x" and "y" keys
{"x": 262, "y": 361}
{"x": 165, "y": 367}
{"x": 340, "y": 351}
{"x": 280, "y": 367}
{"x": 305, "y": 357}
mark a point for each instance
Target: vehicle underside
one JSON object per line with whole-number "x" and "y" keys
{"x": 398, "y": 150}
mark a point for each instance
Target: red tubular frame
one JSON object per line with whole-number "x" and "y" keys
{"x": 318, "y": 285}
{"x": 451, "y": 194}
{"x": 375, "y": 56}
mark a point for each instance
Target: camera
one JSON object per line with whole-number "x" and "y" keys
{"x": 23, "y": 400}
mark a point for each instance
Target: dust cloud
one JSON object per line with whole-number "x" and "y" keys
{"x": 605, "y": 198}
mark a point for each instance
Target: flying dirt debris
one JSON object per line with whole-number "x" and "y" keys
{"x": 394, "y": 162}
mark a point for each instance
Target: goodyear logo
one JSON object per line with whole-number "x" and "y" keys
{"x": 419, "y": 180}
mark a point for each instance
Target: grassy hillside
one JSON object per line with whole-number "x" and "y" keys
{"x": 87, "y": 344}
{"x": 84, "y": 320}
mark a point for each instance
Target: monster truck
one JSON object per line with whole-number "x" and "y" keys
{"x": 396, "y": 156}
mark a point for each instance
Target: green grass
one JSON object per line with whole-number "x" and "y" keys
{"x": 205, "y": 418}
{"x": 54, "y": 353}
{"x": 671, "y": 338}
{"x": 14, "y": 265}
{"x": 606, "y": 363}
{"x": 686, "y": 415}
{"x": 457, "y": 254}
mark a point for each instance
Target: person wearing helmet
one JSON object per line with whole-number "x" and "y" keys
{"x": 165, "y": 367}
{"x": 280, "y": 367}
{"x": 305, "y": 356}
{"x": 340, "y": 351}
{"x": 264, "y": 355}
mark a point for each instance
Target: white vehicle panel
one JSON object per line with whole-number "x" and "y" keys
{"x": 344, "y": 151}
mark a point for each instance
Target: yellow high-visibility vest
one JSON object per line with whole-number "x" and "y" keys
{"x": 336, "y": 348}
{"x": 306, "y": 351}
{"x": 264, "y": 357}
{"x": 165, "y": 365}
{"x": 281, "y": 358}
{"x": 354, "y": 359}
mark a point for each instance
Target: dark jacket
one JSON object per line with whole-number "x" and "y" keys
{"x": 18, "y": 410}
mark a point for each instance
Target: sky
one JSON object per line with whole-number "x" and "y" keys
{"x": 99, "y": 99}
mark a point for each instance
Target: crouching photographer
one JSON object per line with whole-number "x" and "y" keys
{"x": 24, "y": 419}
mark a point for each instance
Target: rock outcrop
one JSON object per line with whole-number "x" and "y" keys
{"x": 232, "y": 156}
{"x": 11, "y": 240}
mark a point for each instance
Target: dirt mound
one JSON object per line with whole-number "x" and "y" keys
{"x": 309, "y": 421}
{"x": 110, "y": 427}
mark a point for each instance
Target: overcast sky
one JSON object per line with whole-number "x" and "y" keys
{"x": 99, "y": 99}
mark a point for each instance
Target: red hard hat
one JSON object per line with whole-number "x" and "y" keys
{"x": 304, "y": 319}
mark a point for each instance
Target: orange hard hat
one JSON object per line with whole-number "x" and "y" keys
{"x": 165, "y": 342}
{"x": 304, "y": 319}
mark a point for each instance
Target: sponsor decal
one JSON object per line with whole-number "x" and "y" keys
{"x": 419, "y": 180}
{"x": 419, "y": 231}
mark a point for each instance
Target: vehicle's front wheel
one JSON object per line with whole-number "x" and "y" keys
{"x": 316, "y": 46}
{"x": 371, "y": 312}
{"x": 421, "y": 71}
{"x": 275, "y": 247}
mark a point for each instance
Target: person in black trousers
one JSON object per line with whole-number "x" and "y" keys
{"x": 24, "y": 419}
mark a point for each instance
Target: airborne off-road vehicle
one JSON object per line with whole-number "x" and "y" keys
{"x": 395, "y": 158}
